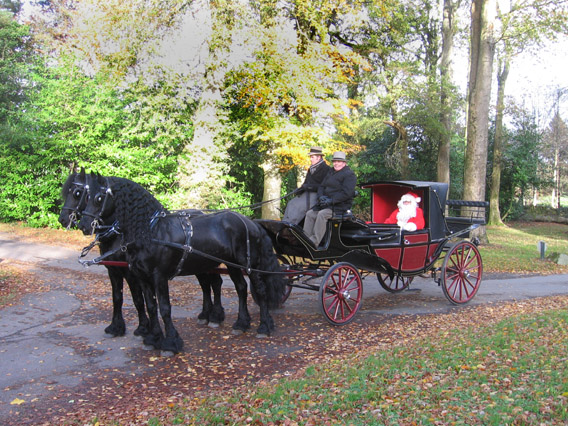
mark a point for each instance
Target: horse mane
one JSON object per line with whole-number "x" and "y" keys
{"x": 134, "y": 207}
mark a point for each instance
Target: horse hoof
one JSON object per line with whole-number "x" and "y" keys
{"x": 213, "y": 325}
{"x": 167, "y": 354}
{"x": 261, "y": 336}
{"x": 201, "y": 321}
{"x": 148, "y": 347}
{"x": 237, "y": 332}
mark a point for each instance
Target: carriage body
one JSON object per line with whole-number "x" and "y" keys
{"x": 395, "y": 255}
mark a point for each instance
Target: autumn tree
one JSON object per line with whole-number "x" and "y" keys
{"x": 290, "y": 88}
{"x": 523, "y": 26}
{"x": 556, "y": 154}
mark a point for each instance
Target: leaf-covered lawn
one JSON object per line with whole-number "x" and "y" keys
{"x": 513, "y": 372}
{"x": 513, "y": 249}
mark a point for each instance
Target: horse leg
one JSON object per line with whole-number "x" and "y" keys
{"x": 217, "y": 315}
{"x": 212, "y": 312}
{"x": 117, "y": 326}
{"x": 155, "y": 336}
{"x": 243, "y": 320}
{"x": 172, "y": 342}
{"x": 266, "y": 325}
{"x": 138, "y": 300}
{"x": 203, "y": 317}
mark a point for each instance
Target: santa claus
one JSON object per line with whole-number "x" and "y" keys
{"x": 408, "y": 216}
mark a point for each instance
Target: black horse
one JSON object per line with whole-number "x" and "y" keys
{"x": 161, "y": 245}
{"x": 75, "y": 193}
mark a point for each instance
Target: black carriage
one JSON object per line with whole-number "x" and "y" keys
{"x": 353, "y": 248}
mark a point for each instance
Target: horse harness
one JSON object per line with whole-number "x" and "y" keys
{"x": 187, "y": 227}
{"x": 184, "y": 217}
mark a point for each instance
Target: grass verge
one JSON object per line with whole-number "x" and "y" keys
{"x": 513, "y": 372}
{"x": 513, "y": 249}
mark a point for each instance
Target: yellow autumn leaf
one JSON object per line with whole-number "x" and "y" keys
{"x": 17, "y": 401}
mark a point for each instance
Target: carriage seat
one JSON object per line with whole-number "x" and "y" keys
{"x": 348, "y": 215}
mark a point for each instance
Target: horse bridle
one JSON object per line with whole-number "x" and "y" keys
{"x": 81, "y": 192}
{"x": 103, "y": 194}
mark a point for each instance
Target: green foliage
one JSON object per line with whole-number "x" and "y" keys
{"x": 16, "y": 61}
{"x": 234, "y": 197}
{"x": 74, "y": 120}
{"x": 375, "y": 138}
{"x": 521, "y": 164}
{"x": 457, "y": 155}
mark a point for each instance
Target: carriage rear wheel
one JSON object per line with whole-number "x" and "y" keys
{"x": 461, "y": 272}
{"x": 395, "y": 284}
{"x": 341, "y": 293}
{"x": 285, "y": 265}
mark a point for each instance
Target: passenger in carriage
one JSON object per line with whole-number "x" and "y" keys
{"x": 335, "y": 196}
{"x": 306, "y": 195}
{"x": 408, "y": 215}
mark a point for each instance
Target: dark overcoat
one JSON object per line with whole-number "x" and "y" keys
{"x": 340, "y": 187}
{"x": 307, "y": 193}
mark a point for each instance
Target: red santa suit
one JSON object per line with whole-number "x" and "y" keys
{"x": 409, "y": 217}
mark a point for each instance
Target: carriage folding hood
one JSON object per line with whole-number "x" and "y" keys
{"x": 385, "y": 195}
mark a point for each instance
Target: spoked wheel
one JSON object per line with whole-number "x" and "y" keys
{"x": 341, "y": 293}
{"x": 285, "y": 265}
{"x": 461, "y": 272}
{"x": 394, "y": 285}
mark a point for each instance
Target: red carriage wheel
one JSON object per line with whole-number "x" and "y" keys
{"x": 341, "y": 293}
{"x": 461, "y": 272}
{"x": 394, "y": 285}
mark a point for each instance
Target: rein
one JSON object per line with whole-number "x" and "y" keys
{"x": 253, "y": 206}
{"x": 186, "y": 226}
{"x": 100, "y": 260}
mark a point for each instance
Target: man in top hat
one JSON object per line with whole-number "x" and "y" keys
{"x": 335, "y": 196}
{"x": 306, "y": 195}
{"x": 408, "y": 215}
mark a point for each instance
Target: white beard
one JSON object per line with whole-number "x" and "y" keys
{"x": 405, "y": 213}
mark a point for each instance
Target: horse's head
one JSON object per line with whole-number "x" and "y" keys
{"x": 74, "y": 194}
{"x": 99, "y": 208}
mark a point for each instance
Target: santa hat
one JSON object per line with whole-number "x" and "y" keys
{"x": 411, "y": 196}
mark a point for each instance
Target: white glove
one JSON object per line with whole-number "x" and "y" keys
{"x": 409, "y": 226}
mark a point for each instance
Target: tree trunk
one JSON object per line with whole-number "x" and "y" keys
{"x": 494, "y": 211}
{"x": 556, "y": 180}
{"x": 202, "y": 175}
{"x": 272, "y": 187}
{"x": 401, "y": 147}
{"x": 448, "y": 32}
{"x": 482, "y": 51}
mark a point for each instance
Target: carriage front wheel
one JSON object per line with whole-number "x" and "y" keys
{"x": 341, "y": 293}
{"x": 461, "y": 272}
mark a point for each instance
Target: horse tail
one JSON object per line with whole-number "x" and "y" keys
{"x": 275, "y": 286}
